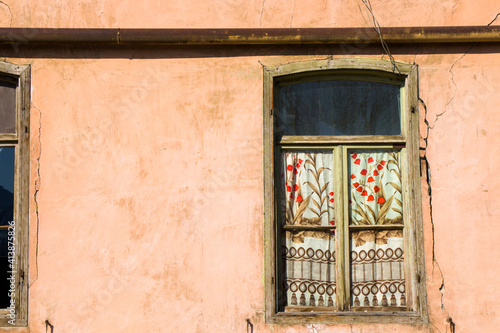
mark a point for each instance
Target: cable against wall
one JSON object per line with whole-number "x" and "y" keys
{"x": 376, "y": 26}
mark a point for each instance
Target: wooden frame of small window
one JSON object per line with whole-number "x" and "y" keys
{"x": 352, "y": 69}
{"x": 20, "y": 76}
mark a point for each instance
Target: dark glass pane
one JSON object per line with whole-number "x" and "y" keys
{"x": 7, "y": 107}
{"x": 339, "y": 108}
{"x": 5, "y": 270}
{"x": 6, "y": 184}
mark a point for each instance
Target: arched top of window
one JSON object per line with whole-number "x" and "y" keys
{"x": 341, "y": 97}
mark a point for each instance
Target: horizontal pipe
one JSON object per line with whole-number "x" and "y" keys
{"x": 262, "y": 36}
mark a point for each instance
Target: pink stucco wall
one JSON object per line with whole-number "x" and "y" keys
{"x": 149, "y": 169}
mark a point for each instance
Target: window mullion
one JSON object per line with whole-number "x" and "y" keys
{"x": 346, "y": 231}
{"x": 340, "y": 209}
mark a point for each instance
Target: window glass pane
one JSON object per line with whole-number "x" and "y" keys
{"x": 7, "y": 107}
{"x": 6, "y": 184}
{"x": 339, "y": 107}
{"x": 375, "y": 190}
{"x": 306, "y": 192}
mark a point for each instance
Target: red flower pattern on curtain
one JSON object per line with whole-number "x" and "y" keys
{"x": 377, "y": 258}
{"x": 375, "y": 198}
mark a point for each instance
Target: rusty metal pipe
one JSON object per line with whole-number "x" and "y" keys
{"x": 264, "y": 36}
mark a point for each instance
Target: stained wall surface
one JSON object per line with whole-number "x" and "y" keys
{"x": 147, "y": 166}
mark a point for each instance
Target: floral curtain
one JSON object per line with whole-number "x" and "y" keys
{"x": 375, "y": 198}
{"x": 377, "y": 260}
{"x": 307, "y": 199}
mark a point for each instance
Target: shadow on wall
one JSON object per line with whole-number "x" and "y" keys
{"x": 232, "y": 51}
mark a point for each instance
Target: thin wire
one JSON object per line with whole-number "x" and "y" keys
{"x": 376, "y": 26}
{"x": 493, "y": 20}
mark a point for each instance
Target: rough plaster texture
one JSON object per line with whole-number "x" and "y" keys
{"x": 241, "y": 13}
{"x": 148, "y": 174}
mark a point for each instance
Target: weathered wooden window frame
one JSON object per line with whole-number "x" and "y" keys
{"x": 20, "y": 75}
{"x": 349, "y": 68}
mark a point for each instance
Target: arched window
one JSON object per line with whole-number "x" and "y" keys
{"x": 343, "y": 220}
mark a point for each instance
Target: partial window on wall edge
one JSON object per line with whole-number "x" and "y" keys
{"x": 14, "y": 193}
{"x": 343, "y": 225}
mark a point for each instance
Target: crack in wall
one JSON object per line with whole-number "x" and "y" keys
{"x": 37, "y": 187}
{"x": 262, "y": 13}
{"x": 429, "y": 192}
{"x": 293, "y": 12}
{"x": 428, "y": 172}
{"x": 449, "y": 320}
{"x": 431, "y": 213}
{"x": 10, "y": 12}
{"x": 453, "y": 78}
{"x": 453, "y": 65}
